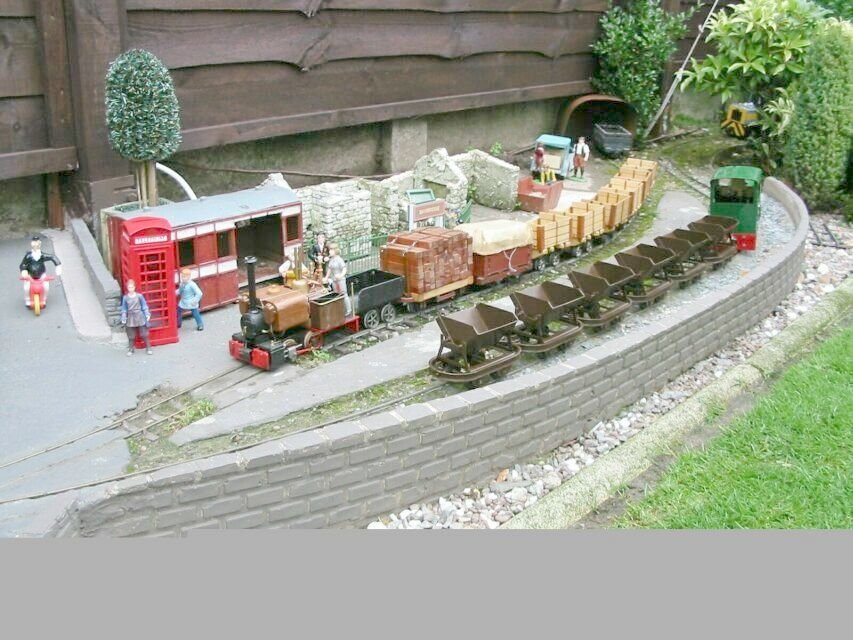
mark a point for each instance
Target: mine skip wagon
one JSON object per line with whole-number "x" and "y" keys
{"x": 476, "y": 343}
{"x": 374, "y": 294}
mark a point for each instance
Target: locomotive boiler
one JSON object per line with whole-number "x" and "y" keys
{"x": 278, "y": 324}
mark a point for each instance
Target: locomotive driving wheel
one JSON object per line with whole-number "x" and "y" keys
{"x": 313, "y": 340}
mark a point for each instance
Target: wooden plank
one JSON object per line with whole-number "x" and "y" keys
{"x": 94, "y": 40}
{"x": 216, "y": 95}
{"x": 22, "y": 125}
{"x": 215, "y": 111}
{"x": 20, "y": 70}
{"x": 429, "y": 295}
{"x": 51, "y": 23}
{"x": 17, "y": 8}
{"x": 313, "y": 7}
{"x": 55, "y": 217}
{"x": 184, "y": 40}
{"x": 33, "y": 163}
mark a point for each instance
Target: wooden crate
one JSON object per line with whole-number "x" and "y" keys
{"x": 630, "y": 181}
{"x": 643, "y": 164}
{"x": 644, "y": 175}
{"x": 617, "y": 207}
{"x": 635, "y": 187}
{"x": 581, "y": 226}
{"x": 563, "y": 224}
{"x": 626, "y": 196}
{"x": 546, "y": 235}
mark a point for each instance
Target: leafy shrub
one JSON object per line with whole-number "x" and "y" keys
{"x": 819, "y": 141}
{"x": 760, "y": 46}
{"x": 633, "y": 49}
{"x": 840, "y": 8}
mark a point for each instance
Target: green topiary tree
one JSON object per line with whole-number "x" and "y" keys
{"x": 142, "y": 116}
{"x": 635, "y": 44}
{"x": 819, "y": 140}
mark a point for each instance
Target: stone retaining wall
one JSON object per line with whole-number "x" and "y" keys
{"x": 105, "y": 285}
{"x": 349, "y": 473}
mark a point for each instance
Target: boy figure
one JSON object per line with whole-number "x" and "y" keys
{"x": 134, "y": 317}
{"x": 581, "y": 155}
{"x": 33, "y": 266}
{"x": 337, "y": 277}
{"x": 189, "y": 295}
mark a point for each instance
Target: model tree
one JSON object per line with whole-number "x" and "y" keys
{"x": 142, "y": 116}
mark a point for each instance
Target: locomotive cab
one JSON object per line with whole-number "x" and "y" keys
{"x": 736, "y": 193}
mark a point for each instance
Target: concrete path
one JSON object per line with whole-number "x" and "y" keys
{"x": 61, "y": 375}
{"x": 83, "y": 304}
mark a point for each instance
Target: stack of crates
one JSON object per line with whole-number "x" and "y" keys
{"x": 590, "y": 217}
{"x": 637, "y": 163}
{"x": 617, "y": 207}
{"x": 429, "y": 258}
{"x": 553, "y": 231}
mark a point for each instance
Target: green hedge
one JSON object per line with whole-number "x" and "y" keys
{"x": 819, "y": 140}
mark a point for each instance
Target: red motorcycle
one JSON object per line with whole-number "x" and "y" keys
{"x": 38, "y": 299}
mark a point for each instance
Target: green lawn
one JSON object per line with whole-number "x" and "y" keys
{"x": 787, "y": 464}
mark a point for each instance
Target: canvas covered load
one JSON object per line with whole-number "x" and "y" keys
{"x": 494, "y": 236}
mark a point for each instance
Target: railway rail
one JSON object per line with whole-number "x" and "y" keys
{"x": 823, "y": 235}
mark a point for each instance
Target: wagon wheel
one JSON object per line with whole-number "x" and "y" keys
{"x": 539, "y": 264}
{"x": 554, "y": 259}
{"x": 587, "y": 246}
{"x": 577, "y": 251}
{"x": 388, "y": 313}
{"x": 414, "y": 307}
{"x": 370, "y": 319}
{"x": 313, "y": 340}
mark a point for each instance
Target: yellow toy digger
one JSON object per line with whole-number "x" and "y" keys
{"x": 741, "y": 117}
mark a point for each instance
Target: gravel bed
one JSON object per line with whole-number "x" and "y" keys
{"x": 515, "y": 489}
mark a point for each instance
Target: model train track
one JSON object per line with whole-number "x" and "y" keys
{"x": 687, "y": 179}
{"x": 148, "y": 417}
{"x": 823, "y": 235}
{"x": 351, "y": 416}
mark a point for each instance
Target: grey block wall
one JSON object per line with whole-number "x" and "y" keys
{"x": 349, "y": 473}
{"x": 106, "y": 287}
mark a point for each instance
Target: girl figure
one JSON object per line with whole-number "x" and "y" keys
{"x": 134, "y": 317}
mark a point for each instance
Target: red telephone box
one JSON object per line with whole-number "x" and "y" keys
{"x": 148, "y": 257}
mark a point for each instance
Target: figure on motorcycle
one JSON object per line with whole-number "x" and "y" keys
{"x": 33, "y": 268}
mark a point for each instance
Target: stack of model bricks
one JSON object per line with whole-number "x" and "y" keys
{"x": 429, "y": 258}
{"x": 612, "y": 207}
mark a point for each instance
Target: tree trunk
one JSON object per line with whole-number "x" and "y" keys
{"x": 146, "y": 183}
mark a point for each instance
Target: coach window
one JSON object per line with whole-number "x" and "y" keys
{"x": 223, "y": 244}
{"x": 186, "y": 252}
{"x": 291, "y": 230}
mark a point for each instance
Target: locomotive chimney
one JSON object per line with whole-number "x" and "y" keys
{"x": 250, "y": 273}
